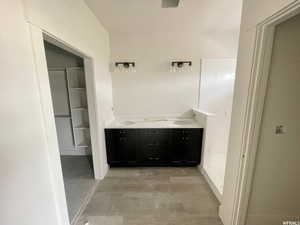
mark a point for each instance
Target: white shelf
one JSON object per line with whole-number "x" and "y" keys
{"x": 83, "y": 145}
{"x": 82, "y": 127}
{"x": 75, "y": 68}
{"x": 62, "y": 116}
{"x": 80, "y": 108}
{"x": 78, "y": 88}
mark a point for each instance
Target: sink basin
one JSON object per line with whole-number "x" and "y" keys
{"x": 127, "y": 123}
{"x": 183, "y": 122}
{"x": 153, "y": 120}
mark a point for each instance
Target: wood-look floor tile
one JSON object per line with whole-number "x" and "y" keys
{"x": 153, "y": 196}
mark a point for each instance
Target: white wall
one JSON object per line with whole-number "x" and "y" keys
{"x": 254, "y": 12}
{"x": 153, "y": 90}
{"x": 26, "y": 190}
{"x": 275, "y": 192}
{"x": 216, "y": 94}
{"x": 32, "y": 190}
{"x": 82, "y": 30}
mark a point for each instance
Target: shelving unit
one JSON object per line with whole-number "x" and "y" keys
{"x": 70, "y": 108}
{"x": 79, "y": 107}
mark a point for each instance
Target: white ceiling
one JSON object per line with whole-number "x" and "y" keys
{"x": 147, "y": 16}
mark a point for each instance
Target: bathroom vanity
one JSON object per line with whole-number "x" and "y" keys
{"x": 154, "y": 143}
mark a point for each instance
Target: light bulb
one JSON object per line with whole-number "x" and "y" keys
{"x": 171, "y": 68}
{"x": 119, "y": 68}
{"x": 130, "y": 68}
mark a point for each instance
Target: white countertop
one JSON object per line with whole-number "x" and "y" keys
{"x": 155, "y": 123}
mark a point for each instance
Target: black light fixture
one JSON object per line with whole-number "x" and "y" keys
{"x": 125, "y": 66}
{"x": 181, "y": 66}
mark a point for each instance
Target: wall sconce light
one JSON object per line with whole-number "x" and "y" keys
{"x": 181, "y": 66}
{"x": 125, "y": 66}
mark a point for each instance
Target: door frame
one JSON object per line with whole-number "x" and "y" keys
{"x": 91, "y": 97}
{"x": 255, "y": 104}
{"x": 38, "y": 36}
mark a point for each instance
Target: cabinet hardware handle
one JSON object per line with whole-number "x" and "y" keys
{"x": 151, "y": 158}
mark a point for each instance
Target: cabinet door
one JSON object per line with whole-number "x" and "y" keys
{"x": 178, "y": 151}
{"x": 112, "y": 153}
{"x": 121, "y": 146}
{"x": 193, "y": 144}
{"x": 187, "y": 145}
{"x": 154, "y": 145}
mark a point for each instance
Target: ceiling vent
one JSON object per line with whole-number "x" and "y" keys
{"x": 170, "y": 3}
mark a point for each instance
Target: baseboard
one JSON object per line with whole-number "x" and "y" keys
{"x": 105, "y": 170}
{"x": 84, "y": 204}
{"x": 211, "y": 184}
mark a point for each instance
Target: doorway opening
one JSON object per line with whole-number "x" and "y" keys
{"x": 266, "y": 184}
{"x": 71, "y": 112}
{"x": 278, "y": 145}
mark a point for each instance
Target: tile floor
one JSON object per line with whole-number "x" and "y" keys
{"x": 79, "y": 181}
{"x": 152, "y": 196}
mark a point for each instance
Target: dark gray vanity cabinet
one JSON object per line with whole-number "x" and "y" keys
{"x": 121, "y": 145}
{"x": 186, "y": 146}
{"x": 154, "y": 147}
